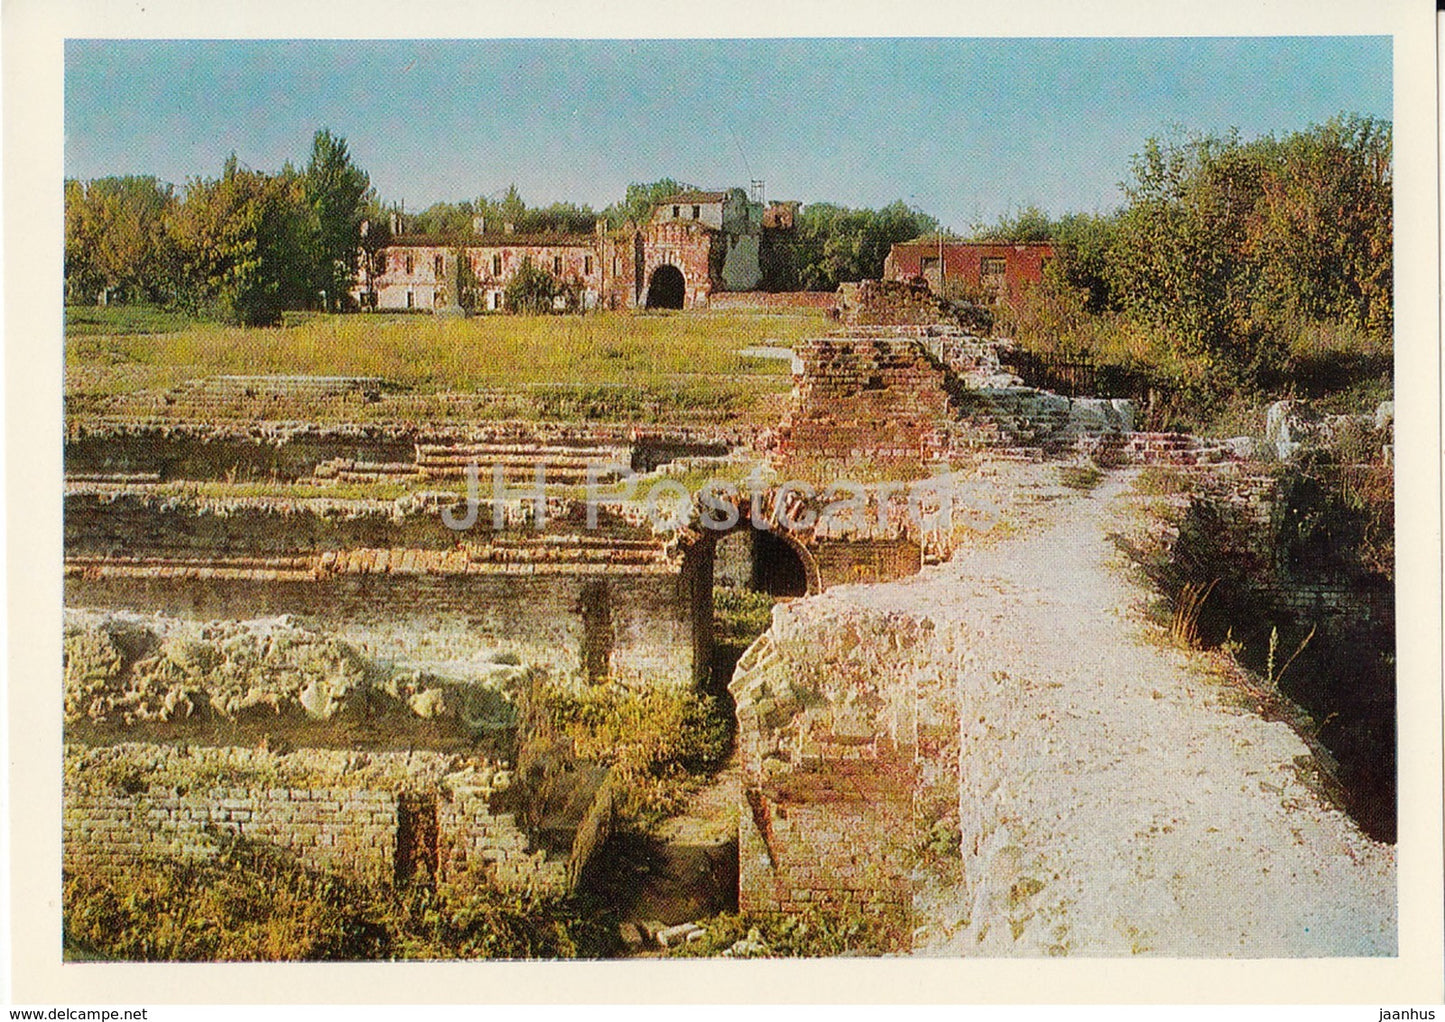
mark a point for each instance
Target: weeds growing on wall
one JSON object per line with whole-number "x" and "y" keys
{"x": 1305, "y": 602}
{"x": 654, "y": 739}
{"x": 253, "y": 903}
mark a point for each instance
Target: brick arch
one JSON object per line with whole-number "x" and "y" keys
{"x": 698, "y": 535}
{"x": 666, "y": 288}
{"x": 688, "y": 248}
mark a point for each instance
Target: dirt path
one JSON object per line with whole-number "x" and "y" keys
{"x": 1117, "y": 798}
{"x": 688, "y": 870}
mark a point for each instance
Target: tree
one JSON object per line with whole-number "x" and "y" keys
{"x": 1324, "y": 232}
{"x": 1182, "y": 259}
{"x": 836, "y": 244}
{"x": 1028, "y": 224}
{"x": 245, "y": 243}
{"x": 115, "y": 239}
{"x": 531, "y": 290}
{"x": 637, "y": 206}
{"x": 336, "y": 190}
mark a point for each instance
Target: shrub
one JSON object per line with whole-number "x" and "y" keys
{"x": 816, "y": 933}
{"x": 653, "y": 739}
{"x": 740, "y": 615}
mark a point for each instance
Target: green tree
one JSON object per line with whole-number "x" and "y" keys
{"x": 115, "y": 239}
{"x": 637, "y": 206}
{"x": 1027, "y": 224}
{"x": 336, "y": 190}
{"x": 836, "y": 244}
{"x": 1182, "y": 262}
{"x": 245, "y": 243}
{"x": 532, "y": 290}
{"x": 1324, "y": 234}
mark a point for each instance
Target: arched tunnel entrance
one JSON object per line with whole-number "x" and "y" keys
{"x": 666, "y": 289}
{"x": 752, "y": 570}
{"x": 761, "y": 562}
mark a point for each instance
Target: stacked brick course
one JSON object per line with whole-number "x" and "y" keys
{"x": 864, "y": 399}
{"x": 316, "y": 805}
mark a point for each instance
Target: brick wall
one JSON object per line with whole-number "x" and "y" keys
{"x": 126, "y": 803}
{"x": 848, "y": 740}
{"x": 864, "y": 399}
{"x": 445, "y": 623}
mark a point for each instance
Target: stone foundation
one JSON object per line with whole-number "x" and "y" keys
{"x": 848, "y": 738}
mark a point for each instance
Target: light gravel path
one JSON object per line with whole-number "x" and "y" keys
{"x": 1116, "y": 798}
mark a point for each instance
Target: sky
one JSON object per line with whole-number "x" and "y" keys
{"x": 966, "y": 129}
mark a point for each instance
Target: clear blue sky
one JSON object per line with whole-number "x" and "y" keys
{"x": 965, "y": 128}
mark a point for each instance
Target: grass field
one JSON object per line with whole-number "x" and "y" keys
{"x": 118, "y": 350}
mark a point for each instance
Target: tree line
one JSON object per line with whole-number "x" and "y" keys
{"x": 1223, "y": 245}
{"x": 240, "y": 247}
{"x": 1228, "y": 252}
{"x": 247, "y": 245}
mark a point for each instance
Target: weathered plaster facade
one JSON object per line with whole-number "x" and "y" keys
{"x": 712, "y": 240}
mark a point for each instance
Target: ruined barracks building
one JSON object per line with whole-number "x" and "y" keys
{"x": 696, "y": 243}
{"x": 1003, "y": 269}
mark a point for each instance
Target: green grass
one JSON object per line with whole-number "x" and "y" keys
{"x": 84, "y": 320}
{"x": 429, "y": 354}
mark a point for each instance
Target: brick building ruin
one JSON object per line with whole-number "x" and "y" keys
{"x": 695, "y": 244}
{"x": 1004, "y": 270}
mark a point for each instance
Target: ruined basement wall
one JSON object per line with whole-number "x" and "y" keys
{"x": 379, "y": 818}
{"x": 637, "y": 627}
{"x": 844, "y": 561}
{"x": 848, "y": 737}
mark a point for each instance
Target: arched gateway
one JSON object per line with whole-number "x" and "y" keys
{"x": 666, "y": 288}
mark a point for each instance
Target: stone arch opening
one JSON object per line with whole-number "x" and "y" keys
{"x": 764, "y": 561}
{"x": 666, "y": 288}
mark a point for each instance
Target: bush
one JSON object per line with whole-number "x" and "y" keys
{"x": 653, "y": 739}
{"x": 816, "y": 933}
{"x": 740, "y": 615}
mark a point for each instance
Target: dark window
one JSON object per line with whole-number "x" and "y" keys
{"x": 696, "y": 212}
{"x": 410, "y": 263}
{"x": 993, "y": 266}
{"x": 496, "y": 265}
{"x": 587, "y": 265}
{"x": 410, "y": 300}
{"x": 439, "y": 265}
{"x": 676, "y": 212}
{"x": 557, "y": 265}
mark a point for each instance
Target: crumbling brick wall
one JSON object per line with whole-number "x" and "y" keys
{"x": 864, "y": 399}
{"x": 848, "y": 739}
{"x": 349, "y": 813}
{"x": 403, "y": 586}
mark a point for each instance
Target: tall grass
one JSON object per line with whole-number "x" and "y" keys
{"x": 600, "y": 349}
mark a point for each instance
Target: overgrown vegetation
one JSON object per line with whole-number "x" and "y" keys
{"x": 252, "y": 903}
{"x": 1262, "y": 267}
{"x": 657, "y": 740}
{"x": 816, "y": 933}
{"x": 1305, "y": 602}
{"x": 240, "y": 248}
{"x": 740, "y": 615}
